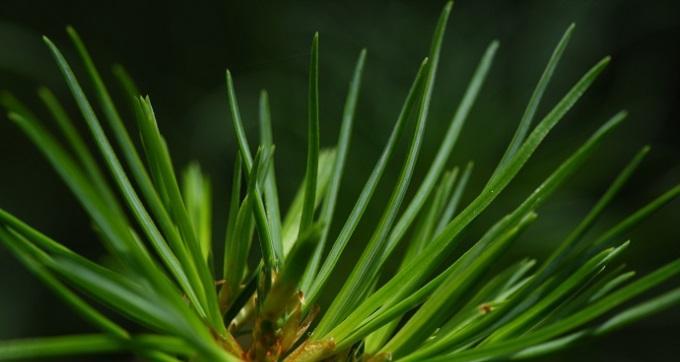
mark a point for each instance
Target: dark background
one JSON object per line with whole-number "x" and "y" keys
{"x": 178, "y": 51}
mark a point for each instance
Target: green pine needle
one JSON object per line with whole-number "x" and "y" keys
{"x": 447, "y": 299}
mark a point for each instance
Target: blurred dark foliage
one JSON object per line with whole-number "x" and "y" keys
{"x": 178, "y": 51}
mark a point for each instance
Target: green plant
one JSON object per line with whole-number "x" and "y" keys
{"x": 429, "y": 309}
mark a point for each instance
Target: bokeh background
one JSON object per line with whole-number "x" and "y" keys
{"x": 178, "y": 51}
